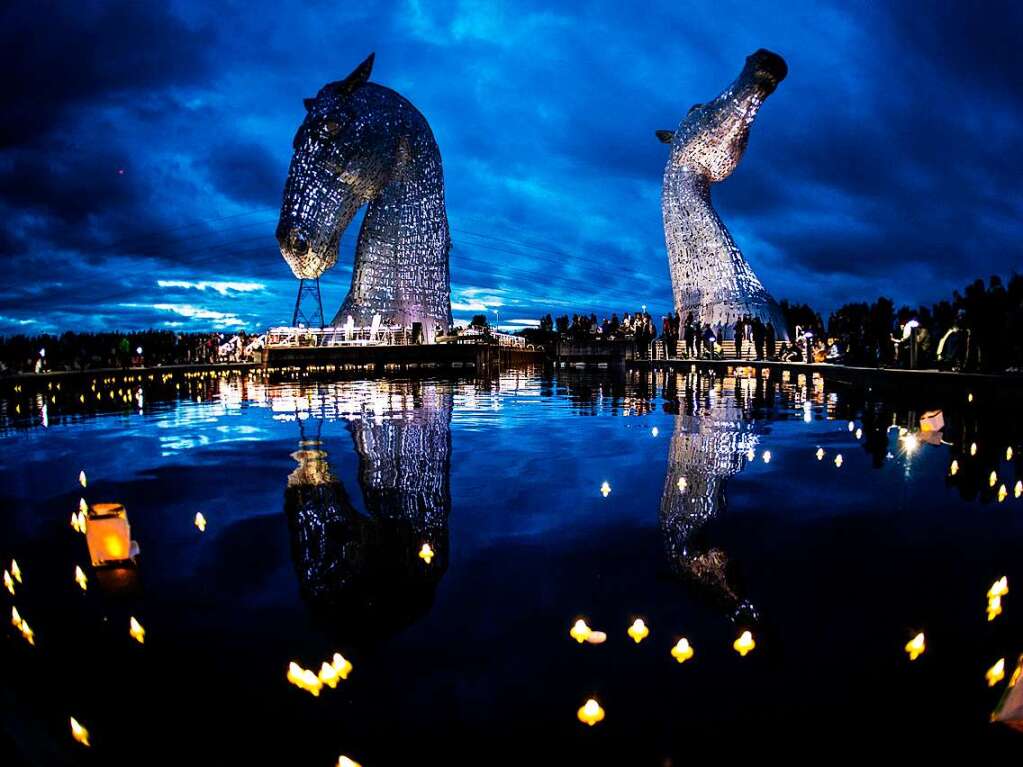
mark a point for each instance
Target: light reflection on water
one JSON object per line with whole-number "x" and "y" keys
{"x": 320, "y": 494}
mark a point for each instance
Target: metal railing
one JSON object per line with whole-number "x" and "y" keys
{"x": 473, "y": 335}
{"x": 339, "y": 336}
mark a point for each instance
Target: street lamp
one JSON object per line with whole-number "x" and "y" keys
{"x": 497, "y": 322}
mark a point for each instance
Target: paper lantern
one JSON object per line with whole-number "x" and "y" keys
{"x": 108, "y": 534}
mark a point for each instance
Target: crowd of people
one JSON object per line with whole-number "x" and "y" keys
{"x": 681, "y": 338}
{"x": 980, "y": 329}
{"x": 90, "y": 351}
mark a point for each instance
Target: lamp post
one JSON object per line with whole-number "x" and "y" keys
{"x": 497, "y": 322}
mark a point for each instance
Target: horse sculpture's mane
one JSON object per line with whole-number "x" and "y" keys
{"x": 709, "y": 275}
{"x": 364, "y": 144}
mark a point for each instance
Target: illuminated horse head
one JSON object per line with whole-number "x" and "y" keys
{"x": 709, "y": 275}
{"x": 363, "y": 144}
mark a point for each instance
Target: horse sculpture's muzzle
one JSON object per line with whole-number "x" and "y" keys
{"x": 766, "y": 68}
{"x": 292, "y": 242}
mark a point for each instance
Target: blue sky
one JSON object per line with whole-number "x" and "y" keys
{"x": 144, "y": 146}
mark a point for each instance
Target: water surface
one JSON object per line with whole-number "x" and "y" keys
{"x": 319, "y": 495}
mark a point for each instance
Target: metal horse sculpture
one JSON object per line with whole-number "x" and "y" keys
{"x": 709, "y": 276}
{"x": 362, "y": 143}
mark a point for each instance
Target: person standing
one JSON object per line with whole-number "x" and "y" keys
{"x": 690, "y": 336}
{"x": 769, "y": 339}
{"x": 709, "y": 340}
{"x": 740, "y": 329}
{"x": 758, "y": 337}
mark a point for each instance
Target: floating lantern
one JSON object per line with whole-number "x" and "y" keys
{"x": 996, "y": 673}
{"x": 932, "y": 420}
{"x": 596, "y": 637}
{"x": 200, "y": 521}
{"x": 654, "y": 432}
{"x": 859, "y": 434}
{"x": 426, "y": 553}
{"x": 916, "y": 646}
{"x": 973, "y": 448}
{"x": 744, "y": 643}
{"x": 994, "y": 608}
{"x": 838, "y": 460}
{"x": 638, "y": 631}
{"x": 1008, "y": 453}
{"x": 999, "y": 588}
{"x": 9, "y": 582}
{"x": 1018, "y": 489}
{"x": 344, "y": 761}
{"x": 137, "y": 632}
{"x": 80, "y": 578}
{"x": 682, "y": 651}
{"x": 15, "y": 570}
{"x": 304, "y": 679}
{"x": 328, "y": 675}
{"x": 22, "y": 625}
{"x": 1003, "y": 492}
{"x": 83, "y": 507}
{"x": 851, "y": 425}
{"x": 751, "y": 454}
{"x": 682, "y": 484}
{"x": 766, "y": 456}
{"x": 580, "y": 631}
{"x": 992, "y": 479}
{"x": 108, "y": 534}
{"x": 79, "y": 733}
{"x": 820, "y": 453}
{"x": 954, "y": 468}
{"x": 590, "y": 713}
{"x": 605, "y": 489}
{"x": 342, "y": 667}
{"x": 82, "y": 479}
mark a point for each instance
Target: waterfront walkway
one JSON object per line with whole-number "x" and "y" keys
{"x": 1011, "y": 383}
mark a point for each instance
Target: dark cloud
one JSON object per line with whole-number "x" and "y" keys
{"x": 65, "y": 55}
{"x": 143, "y": 141}
{"x": 247, "y": 172}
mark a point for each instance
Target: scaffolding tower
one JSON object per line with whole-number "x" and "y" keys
{"x": 308, "y": 305}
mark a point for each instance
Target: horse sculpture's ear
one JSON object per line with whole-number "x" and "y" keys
{"x": 666, "y": 136}
{"x": 358, "y": 77}
{"x": 308, "y": 103}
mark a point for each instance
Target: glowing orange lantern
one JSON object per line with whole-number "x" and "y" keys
{"x": 108, "y": 534}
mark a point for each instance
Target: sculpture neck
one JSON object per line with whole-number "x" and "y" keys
{"x": 401, "y": 260}
{"x": 709, "y": 275}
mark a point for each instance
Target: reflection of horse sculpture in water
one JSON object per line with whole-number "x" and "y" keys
{"x": 363, "y": 571}
{"x": 363, "y": 143}
{"x": 706, "y": 449}
{"x": 709, "y": 276}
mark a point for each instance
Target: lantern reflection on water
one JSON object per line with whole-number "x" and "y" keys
{"x": 109, "y": 534}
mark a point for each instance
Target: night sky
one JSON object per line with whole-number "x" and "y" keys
{"x": 144, "y": 146}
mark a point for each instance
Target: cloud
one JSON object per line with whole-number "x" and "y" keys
{"x": 142, "y": 139}
{"x": 223, "y": 288}
{"x": 218, "y": 319}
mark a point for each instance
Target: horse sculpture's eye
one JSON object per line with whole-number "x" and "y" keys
{"x": 330, "y": 128}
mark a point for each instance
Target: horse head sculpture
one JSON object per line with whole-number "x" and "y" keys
{"x": 363, "y": 144}
{"x": 709, "y": 275}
